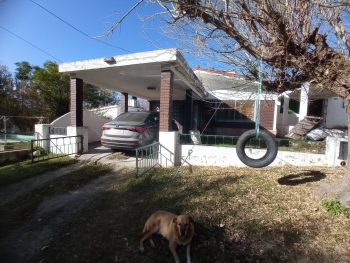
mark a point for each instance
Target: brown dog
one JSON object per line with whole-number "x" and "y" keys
{"x": 179, "y": 230}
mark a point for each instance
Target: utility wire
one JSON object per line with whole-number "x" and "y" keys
{"x": 30, "y": 43}
{"x": 81, "y": 32}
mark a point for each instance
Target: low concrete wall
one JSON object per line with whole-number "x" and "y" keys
{"x": 226, "y": 156}
{"x": 14, "y": 156}
{"x": 92, "y": 121}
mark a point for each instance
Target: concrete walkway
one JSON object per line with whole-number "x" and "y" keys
{"x": 99, "y": 153}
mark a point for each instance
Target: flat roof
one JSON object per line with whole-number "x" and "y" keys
{"x": 133, "y": 73}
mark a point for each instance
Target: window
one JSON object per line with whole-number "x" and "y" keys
{"x": 235, "y": 110}
{"x": 294, "y": 106}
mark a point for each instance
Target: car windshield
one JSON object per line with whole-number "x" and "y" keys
{"x": 132, "y": 116}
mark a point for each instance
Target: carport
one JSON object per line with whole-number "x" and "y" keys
{"x": 161, "y": 75}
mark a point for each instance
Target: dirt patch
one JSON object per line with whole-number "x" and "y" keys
{"x": 12, "y": 191}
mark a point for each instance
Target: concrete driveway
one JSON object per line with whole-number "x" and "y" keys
{"x": 101, "y": 154}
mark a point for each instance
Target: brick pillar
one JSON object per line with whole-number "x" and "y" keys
{"x": 124, "y": 102}
{"x": 148, "y": 106}
{"x": 188, "y": 116}
{"x": 267, "y": 109}
{"x": 76, "y": 102}
{"x": 166, "y": 100}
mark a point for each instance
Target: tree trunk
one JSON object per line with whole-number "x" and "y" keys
{"x": 339, "y": 190}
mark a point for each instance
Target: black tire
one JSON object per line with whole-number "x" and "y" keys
{"x": 269, "y": 156}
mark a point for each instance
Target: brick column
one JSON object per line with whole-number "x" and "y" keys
{"x": 166, "y": 100}
{"x": 124, "y": 102}
{"x": 188, "y": 116}
{"x": 76, "y": 102}
{"x": 267, "y": 108}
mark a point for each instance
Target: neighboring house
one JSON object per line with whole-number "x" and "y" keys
{"x": 236, "y": 98}
{"x": 310, "y": 100}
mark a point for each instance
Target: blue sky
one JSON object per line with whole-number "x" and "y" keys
{"x": 40, "y": 28}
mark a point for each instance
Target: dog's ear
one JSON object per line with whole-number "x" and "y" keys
{"x": 191, "y": 219}
{"x": 175, "y": 220}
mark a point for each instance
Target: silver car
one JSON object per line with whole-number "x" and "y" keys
{"x": 131, "y": 130}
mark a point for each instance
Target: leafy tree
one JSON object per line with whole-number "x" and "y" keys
{"x": 23, "y": 74}
{"x": 24, "y": 70}
{"x": 298, "y": 41}
{"x": 50, "y": 91}
{"x": 95, "y": 97}
{"x": 9, "y": 104}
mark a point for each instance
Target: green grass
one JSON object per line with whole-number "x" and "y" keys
{"x": 17, "y": 172}
{"x": 333, "y": 207}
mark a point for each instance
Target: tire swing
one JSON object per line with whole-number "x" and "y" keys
{"x": 266, "y": 159}
{"x": 244, "y": 139}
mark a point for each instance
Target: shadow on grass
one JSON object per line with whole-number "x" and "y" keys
{"x": 301, "y": 178}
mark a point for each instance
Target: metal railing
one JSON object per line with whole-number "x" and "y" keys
{"x": 284, "y": 144}
{"x": 146, "y": 158}
{"x": 154, "y": 154}
{"x": 44, "y": 149}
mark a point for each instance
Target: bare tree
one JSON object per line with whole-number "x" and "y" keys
{"x": 299, "y": 41}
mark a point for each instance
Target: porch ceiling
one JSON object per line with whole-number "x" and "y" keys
{"x": 133, "y": 73}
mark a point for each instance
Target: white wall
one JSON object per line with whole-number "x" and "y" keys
{"x": 90, "y": 120}
{"x": 336, "y": 113}
{"x": 109, "y": 112}
{"x": 113, "y": 111}
{"x": 227, "y": 156}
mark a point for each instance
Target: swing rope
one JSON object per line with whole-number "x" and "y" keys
{"x": 191, "y": 150}
{"x": 257, "y": 102}
{"x": 257, "y": 116}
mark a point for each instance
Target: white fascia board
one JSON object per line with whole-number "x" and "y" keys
{"x": 158, "y": 56}
{"x": 188, "y": 76}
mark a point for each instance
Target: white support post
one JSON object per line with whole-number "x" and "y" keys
{"x": 42, "y": 131}
{"x": 170, "y": 155}
{"x": 304, "y": 100}
{"x": 275, "y": 115}
{"x": 74, "y": 131}
{"x": 285, "y": 116}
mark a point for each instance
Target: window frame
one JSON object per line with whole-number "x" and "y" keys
{"x": 234, "y": 110}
